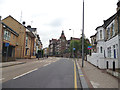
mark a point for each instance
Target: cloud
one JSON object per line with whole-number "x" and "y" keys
{"x": 55, "y": 23}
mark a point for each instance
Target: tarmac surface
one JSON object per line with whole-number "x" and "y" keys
{"x": 59, "y": 74}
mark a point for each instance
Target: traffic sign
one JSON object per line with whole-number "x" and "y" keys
{"x": 73, "y": 48}
{"x": 6, "y": 44}
{"x": 89, "y": 47}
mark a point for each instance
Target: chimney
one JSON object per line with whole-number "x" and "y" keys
{"x": 23, "y": 22}
{"x": 28, "y": 26}
{"x": 118, "y": 5}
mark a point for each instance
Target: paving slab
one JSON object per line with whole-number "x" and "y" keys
{"x": 98, "y": 78}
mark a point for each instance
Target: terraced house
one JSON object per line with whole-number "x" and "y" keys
{"x": 21, "y": 30}
{"x": 9, "y": 37}
{"x": 22, "y": 40}
{"x": 107, "y": 45}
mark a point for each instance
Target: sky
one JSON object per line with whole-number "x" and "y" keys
{"x": 50, "y": 17}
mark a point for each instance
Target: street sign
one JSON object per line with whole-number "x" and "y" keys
{"x": 73, "y": 48}
{"x": 89, "y": 47}
{"x": 6, "y": 44}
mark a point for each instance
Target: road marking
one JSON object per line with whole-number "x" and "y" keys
{"x": 46, "y": 65}
{"x": 81, "y": 75}
{"x": 75, "y": 78}
{"x": 25, "y": 73}
{"x": 2, "y": 79}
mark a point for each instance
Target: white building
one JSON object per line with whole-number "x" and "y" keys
{"x": 107, "y": 39}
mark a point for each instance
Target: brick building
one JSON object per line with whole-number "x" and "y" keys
{"x": 24, "y": 41}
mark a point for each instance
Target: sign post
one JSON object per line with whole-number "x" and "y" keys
{"x": 73, "y": 52}
{"x": 7, "y": 45}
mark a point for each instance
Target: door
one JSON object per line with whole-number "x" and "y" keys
{"x": 114, "y": 53}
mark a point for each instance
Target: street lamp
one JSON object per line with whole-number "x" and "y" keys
{"x": 73, "y": 43}
{"x": 83, "y": 37}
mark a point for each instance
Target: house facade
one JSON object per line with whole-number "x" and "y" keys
{"x": 107, "y": 46}
{"x": 61, "y": 47}
{"x": 52, "y": 46}
{"x": 9, "y": 37}
{"x": 29, "y": 44}
{"x": 21, "y": 30}
{"x": 93, "y": 44}
{"x": 24, "y": 42}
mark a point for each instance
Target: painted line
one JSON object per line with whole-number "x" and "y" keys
{"x": 46, "y": 65}
{"x": 2, "y": 79}
{"x": 75, "y": 78}
{"x": 81, "y": 75}
{"x": 25, "y": 73}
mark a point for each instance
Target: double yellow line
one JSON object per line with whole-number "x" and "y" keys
{"x": 75, "y": 77}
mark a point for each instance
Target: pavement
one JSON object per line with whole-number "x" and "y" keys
{"x": 18, "y": 62}
{"x": 97, "y": 78}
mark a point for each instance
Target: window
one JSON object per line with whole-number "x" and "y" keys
{"x": 7, "y": 35}
{"x": 108, "y": 33}
{"x": 113, "y": 32}
{"x": 100, "y": 49}
{"x": 26, "y": 40}
{"x": 114, "y": 51}
{"x": 63, "y": 40}
{"x": 13, "y": 37}
{"x": 100, "y": 34}
{"x": 117, "y": 50}
{"x": 109, "y": 52}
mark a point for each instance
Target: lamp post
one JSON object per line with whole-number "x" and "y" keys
{"x": 73, "y": 43}
{"x": 0, "y": 40}
{"x": 83, "y": 37}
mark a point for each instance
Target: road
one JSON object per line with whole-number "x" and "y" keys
{"x": 57, "y": 74}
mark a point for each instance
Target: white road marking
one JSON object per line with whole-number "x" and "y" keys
{"x": 25, "y": 73}
{"x": 46, "y": 65}
{"x": 95, "y": 85}
{"x": 2, "y": 79}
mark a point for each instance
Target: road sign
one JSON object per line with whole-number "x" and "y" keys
{"x": 89, "y": 47}
{"x": 6, "y": 44}
{"x": 73, "y": 48}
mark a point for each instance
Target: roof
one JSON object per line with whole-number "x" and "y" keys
{"x": 13, "y": 18}
{"x": 93, "y": 35}
{"x": 73, "y": 38}
{"x": 99, "y": 27}
{"x": 15, "y": 33}
{"x": 118, "y": 4}
{"x": 62, "y": 35}
{"x": 109, "y": 20}
{"x": 30, "y": 33}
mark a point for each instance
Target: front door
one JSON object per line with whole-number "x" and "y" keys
{"x": 114, "y": 53}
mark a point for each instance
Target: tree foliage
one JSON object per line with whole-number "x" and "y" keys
{"x": 77, "y": 44}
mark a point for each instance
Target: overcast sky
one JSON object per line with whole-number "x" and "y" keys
{"x": 50, "y": 17}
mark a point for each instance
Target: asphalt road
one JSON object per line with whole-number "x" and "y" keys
{"x": 60, "y": 74}
{"x": 10, "y": 72}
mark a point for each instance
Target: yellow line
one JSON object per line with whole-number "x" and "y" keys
{"x": 75, "y": 78}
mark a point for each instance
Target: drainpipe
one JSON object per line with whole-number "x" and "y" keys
{"x": 118, "y": 40}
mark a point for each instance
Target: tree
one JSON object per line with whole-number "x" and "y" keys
{"x": 74, "y": 44}
{"x": 86, "y": 44}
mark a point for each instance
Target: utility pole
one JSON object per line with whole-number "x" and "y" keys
{"x": 73, "y": 44}
{"x": 83, "y": 37}
{"x": 0, "y": 40}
